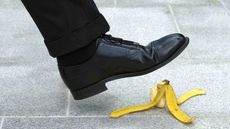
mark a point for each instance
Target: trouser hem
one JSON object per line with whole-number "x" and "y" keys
{"x": 78, "y": 38}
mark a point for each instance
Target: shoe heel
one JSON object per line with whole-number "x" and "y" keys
{"x": 89, "y": 91}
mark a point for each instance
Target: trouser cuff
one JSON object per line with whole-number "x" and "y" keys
{"x": 78, "y": 38}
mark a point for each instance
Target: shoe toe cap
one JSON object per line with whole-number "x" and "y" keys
{"x": 168, "y": 45}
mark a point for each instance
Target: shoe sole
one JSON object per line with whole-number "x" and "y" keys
{"x": 101, "y": 87}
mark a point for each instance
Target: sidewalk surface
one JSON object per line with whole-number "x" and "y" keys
{"x": 33, "y": 96}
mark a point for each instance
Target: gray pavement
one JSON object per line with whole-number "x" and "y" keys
{"x": 33, "y": 96}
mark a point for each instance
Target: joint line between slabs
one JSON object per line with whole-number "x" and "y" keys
{"x": 68, "y": 103}
{"x": 225, "y": 7}
{"x": 176, "y": 23}
{"x": 2, "y": 121}
{"x": 174, "y": 18}
{"x": 95, "y": 116}
{"x": 115, "y": 2}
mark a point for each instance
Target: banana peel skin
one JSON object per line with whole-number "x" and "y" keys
{"x": 163, "y": 95}
{"x": 126, "y": 110}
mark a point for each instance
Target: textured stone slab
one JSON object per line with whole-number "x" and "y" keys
{"x": 31, "y": 90}
{"x": 140, "y": 24}
{"x": 105, "y": 3}
{"x": 209, "y": 30}
{"x": 14, "y": 4}
{"x": 1, "y": 122}
{"x": 154, "y": 3}
{"x": 159, "y": 122}
{"x": 29, "y": 79}
{"x": 227, "y": 4}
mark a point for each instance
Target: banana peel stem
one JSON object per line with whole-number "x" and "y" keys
{"x": 161, "y": 95}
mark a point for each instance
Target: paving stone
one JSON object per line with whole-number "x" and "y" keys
{"x": 136, "y": 23}
{"x": 105, "y": 3}
{"x": 17, "y": 4}
{"x": 29, "y": 79}
{"x": 31, "y": 90}
{"x": 14, "y": 4}
{"x": 226, "y": 3}
{"x": 1, "y": 122}
{"x": 209, "y": 30}
{"x": 155, "y": 3}
{"x": 142, "y": 25}
{"x": 160, "y": 122}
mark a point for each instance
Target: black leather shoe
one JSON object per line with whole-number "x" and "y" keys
{"x": 116, "y": 58}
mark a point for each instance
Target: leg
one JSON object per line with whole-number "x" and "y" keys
{"x": 67, "y": 25}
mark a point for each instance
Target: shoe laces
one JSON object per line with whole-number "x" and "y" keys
{"x": 120, "y": 40}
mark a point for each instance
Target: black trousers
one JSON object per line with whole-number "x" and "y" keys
{"x": 66, "y": 25}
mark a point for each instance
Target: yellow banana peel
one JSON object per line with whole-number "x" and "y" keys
{"x": 162, "y": 94}
{"x": 126, "y": 110}
{"x": 191, "y": 93}
{"x": 174, "y": 108}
